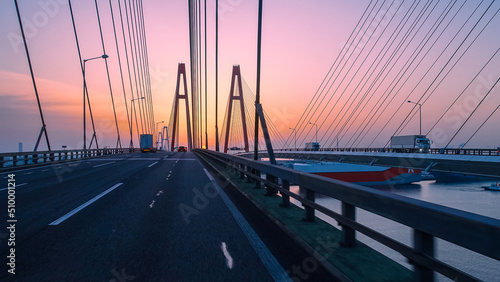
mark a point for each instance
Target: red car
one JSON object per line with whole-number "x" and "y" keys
{"x": 182, "y": 149}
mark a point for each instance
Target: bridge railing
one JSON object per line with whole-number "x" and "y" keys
{"x": 477, "y": 233}
{"x": 23, "y": 159}
{"x": 447, "y": 151}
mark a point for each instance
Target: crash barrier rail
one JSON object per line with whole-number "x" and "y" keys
{"x": 446, "y": 151}
{"x": 429, "y": 221}
{"x": 9, "y": 160}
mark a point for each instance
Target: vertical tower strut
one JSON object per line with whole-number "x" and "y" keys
{"x": 178, "y": 96}
{"x": 233, "y": 97}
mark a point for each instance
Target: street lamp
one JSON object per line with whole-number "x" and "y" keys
{"x": 84, "y": 91}
{"x": 132, "y": 107}
{"x": 156, "y": 130}
{"x": 316, "y": 130}
{"x": 420, "y": 111}
{"x": 295, "y": 137}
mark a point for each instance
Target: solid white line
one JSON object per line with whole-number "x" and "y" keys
{"x": 152, "y": 164}
{"x": 104, "y": 164}
{"x": 229, "y": 259}
{"x": 17, "y": 185}
{"x": 71, "y": 213}
{"x": 267, "y": 258}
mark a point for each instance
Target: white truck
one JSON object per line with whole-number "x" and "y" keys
{"x": 404, "y": 142}
{"x": 312, "y": 146}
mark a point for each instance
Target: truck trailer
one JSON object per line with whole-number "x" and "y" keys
{"x": 405, "y": 142}
{"x": 312, "y": 146}
{"x": 147, "y": 143}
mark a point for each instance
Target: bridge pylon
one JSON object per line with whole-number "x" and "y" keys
{"x": 178, "y": 96}
{"x": 236, "y": 78}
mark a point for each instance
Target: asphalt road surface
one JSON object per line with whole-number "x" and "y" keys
{"x": 135, "y": 217}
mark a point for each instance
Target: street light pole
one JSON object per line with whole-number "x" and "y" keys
{"x": 132, "y": 106}
{"x": 316, "y": 130}
{"x": 295, "y": 131}
{"x": 420, "y": 112}
{"x": 84, "y": 91}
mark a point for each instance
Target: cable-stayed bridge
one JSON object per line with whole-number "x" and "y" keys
{"x": 103, "y": 210}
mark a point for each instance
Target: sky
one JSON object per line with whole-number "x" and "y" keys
{"x": 300, "y": 41}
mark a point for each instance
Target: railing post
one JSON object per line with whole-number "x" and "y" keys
{"x": 242, "y": 168}
{"x": 2, "y": 161}
{"x": 14, "y": 160}
{"x": 257, "y": 183}
{"x": 310, "y": 195}
{"x": 285, "y": 197}
{"x": 423, "y": 243}
{"x": 249, "y": 170}
{"x": 270, "y": 191}
{"x": 348, "y": 233}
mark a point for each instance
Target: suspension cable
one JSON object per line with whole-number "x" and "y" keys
{"x": 44, "y": 129}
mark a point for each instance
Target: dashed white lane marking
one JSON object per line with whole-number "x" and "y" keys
{"x": 153, "y": 164}
{"x": 104, "y": 164}
{"x": 267, "y": 258}
{"x": 159, "y": 193}
{"x": 71, "y": 213}
{"x": 17, "y": 185}
{"x": 151, "y": 205}
{"x": 229, "y": 259}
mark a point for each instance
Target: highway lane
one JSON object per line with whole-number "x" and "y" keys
{"x": 165, "y": 221}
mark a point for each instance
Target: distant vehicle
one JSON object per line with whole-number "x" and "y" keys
{"x": 147, "y": 143}
{"x": 312, "y": 146}
{"x": 182, "y": 149}
{"x": 401, "y": 143}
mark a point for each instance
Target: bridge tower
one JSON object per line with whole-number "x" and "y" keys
{"x": 236, "y": 78}
{"x": 178, "y": 96}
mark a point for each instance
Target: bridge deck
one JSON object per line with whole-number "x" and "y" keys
{"x": 134, "y": 216}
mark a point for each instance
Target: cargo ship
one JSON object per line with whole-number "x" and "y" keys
{"x": 360, "y": 174}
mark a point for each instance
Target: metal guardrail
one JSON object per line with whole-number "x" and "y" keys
{"x": 10, "y": 160}
{"x": 477, "y": 233}
{"x": 447, "y": 151}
